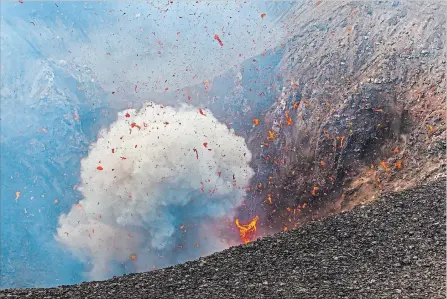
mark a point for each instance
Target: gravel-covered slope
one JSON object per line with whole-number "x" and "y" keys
{"x": 394, "y": 248}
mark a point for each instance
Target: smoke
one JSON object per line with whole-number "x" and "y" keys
{"x": 159, "y": 186}
{"x": 168, "y": 46}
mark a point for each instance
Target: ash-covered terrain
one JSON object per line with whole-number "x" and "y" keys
{"x": 393, "y": 248}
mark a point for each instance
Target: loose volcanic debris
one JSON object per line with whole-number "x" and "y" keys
{"x": 393, "y": 248}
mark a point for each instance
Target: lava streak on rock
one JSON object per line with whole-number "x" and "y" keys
{"x": 247, "y": 231}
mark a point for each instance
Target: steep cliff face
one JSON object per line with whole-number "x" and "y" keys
{"x": 363, "y": 107}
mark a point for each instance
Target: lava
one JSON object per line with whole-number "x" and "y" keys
{"x": 247, "y": 230}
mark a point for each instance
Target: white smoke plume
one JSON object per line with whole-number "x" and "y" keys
{"x": 158, "y": 186}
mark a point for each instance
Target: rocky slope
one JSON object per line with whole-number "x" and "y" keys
{"x": 393, "y": 248}
{"x": 363, "y": 107}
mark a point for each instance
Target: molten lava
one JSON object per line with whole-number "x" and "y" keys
{"x": 247, "y": 230}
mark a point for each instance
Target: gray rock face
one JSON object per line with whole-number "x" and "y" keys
{"x": 364, "y": 83}
{"x": 393, "y": 248}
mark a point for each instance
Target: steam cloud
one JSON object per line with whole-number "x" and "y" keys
{"x": 155, "y": 202}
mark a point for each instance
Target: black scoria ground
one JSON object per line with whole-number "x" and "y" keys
{"x": 393, "y": 248}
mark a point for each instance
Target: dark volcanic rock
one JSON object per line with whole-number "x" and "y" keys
{"x": 360, "y": 79}
{"x": 394, "y": 248}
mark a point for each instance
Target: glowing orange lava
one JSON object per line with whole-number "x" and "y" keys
{"x": 385, "y": 166}
{"x": 272, "y": 135}
{"x": 247, "y": 230}
{"x": 289, "y": 119}
{"x": 398, "y": 164}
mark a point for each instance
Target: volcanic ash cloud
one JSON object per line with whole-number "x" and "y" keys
{"x": 158, "y": 186}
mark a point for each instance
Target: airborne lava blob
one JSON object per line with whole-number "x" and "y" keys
{"x": 158, "y": 192}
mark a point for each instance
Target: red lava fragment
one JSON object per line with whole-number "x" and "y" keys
{"x": 108, "y": 53}
{"x": 64, "y": 232}
{"x": 166, "y": 123}
{"x": 136, "y": 145}
{"x": 121, "y": 137}
{"x": 135, "y": 87}
{"x": 127, "y": 115}
{"x": 160, "y": 43}
{"x": 385, "y": 166}
{"x": 219, "y": 173}
{"x": 189, "y": 98}
{"x": 99, "y": 168}
{"x": 272, "y": 135}
{"x": 289, "y": 119}
{"x": 216, "y": 37}
{"x": 197, "y": 153}
{"x": 201, "y": 112}
{"x": 205, "y": 144}
{"x": 166, "y": 89}
{"x": 133, "y": 125}
{"x": 76, "y": 116}
{"x": 113, "y": 150}
{"x": 263, "y": 15}
{"x": 123, "y": 158}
